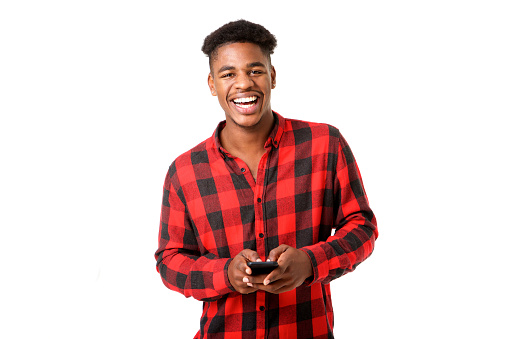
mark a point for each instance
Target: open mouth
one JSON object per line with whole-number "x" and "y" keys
{"x": 245, "y": 102}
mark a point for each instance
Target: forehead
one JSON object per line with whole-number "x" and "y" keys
{"x": 238, "y": 54}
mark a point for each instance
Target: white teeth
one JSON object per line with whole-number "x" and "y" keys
{"x": 243, "y": 100}
{"x": 245, "y": 105}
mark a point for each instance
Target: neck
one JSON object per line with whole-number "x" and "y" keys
{"x": 239, "y": 140}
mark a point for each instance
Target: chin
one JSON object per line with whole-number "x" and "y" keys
{"x": 246, "y": 121}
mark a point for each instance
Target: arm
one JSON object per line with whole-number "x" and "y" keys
{"x": 181, "y": 265}
{"x": 355, "y": 223}
{"x": 351, "y": 244}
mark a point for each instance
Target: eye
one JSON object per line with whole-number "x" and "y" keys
{"x": 227, "y": 75}
{"x": 256, "y": 72}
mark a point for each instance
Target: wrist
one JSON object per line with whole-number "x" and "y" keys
{"x": 227, "y": 275}
{"x": 308, "y": 264}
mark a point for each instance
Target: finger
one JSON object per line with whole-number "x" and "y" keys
{"x": 275, "y": 287}
{"x": 255, "y": 279}
{"x": 246, "y": 280}
{"x": 246, "y": 284}
{"x": 282, "y": 267}
{"x": 251, "y": 255}
{"x": 276, "y": 252}
{"x": 275, "y": 275}
{"x": 247, "y": 289}
{"x": 283, "y": 288}
{"x": 242, "y": 266}
{"x": 248, "y": 255}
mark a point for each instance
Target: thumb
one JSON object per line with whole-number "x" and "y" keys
{"x": 276, "y": 252}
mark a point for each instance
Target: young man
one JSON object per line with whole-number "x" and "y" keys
{"x": 261, "y": 188}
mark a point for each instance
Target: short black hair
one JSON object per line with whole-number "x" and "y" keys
{"x": 239, "y": 31}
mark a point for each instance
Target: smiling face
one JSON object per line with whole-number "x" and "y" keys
{"x": 242, "y": 77}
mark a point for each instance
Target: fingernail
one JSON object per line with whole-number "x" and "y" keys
{"x": 258, "y": 259}
{"x": 249, "y": 284}
{"x": 245, "y": 279}
{"x": 268, "y": 259}
{"x": 266, "y": 282}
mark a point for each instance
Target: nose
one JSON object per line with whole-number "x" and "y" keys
{"x": 243, "y": 81}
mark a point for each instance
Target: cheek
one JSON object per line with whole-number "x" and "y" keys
{"x": 222, "y": 91}
{"x": 222, "y": 96}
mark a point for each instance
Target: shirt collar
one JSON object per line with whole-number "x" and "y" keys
{"x": 274, "y": 136}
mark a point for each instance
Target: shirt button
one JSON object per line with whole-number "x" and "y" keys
{"x": 261, "y": 235}
{"x": 259, "y": 199}
{"x": 262, "y": 308}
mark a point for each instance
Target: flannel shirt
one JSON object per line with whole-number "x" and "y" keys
{"x": 308, "y": 185}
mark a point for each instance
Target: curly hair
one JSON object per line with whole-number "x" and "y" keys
{"x": 239, "y": 31}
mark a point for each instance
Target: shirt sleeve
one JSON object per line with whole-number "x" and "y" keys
{"x": 354, "y": 222}
{"x": 179, "y": 262}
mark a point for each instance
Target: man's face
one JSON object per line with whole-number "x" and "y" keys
{"x": 242, "y": 78}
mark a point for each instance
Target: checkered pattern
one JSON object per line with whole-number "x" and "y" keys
{"x": 308, "y": 194}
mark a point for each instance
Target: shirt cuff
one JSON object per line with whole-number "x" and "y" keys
{"x": 222, "y": 284}
{"x": 319, "y": 262}
{"x": 226, "y": 279}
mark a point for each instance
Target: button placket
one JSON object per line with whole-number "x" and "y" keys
{"x": 258, "y": 194}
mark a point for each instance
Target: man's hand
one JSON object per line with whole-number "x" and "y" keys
{"x": 238, "y": 271}
{"x": 294, "y": 267}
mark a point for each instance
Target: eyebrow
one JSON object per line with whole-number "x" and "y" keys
{"x": 255, "y": 64}
{"x": 251, "y": 65}
{"x": 225, "y": 68}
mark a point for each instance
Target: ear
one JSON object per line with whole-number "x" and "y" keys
{"x": 273, "y": 77}
{"x": 210, "y": 81}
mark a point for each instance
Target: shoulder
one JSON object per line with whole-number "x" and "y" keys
{"x": 186, "y": 162}
{"x": 302, "y": 131}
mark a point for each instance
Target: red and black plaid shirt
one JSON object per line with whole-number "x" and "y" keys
{"x": 308, "y": 185}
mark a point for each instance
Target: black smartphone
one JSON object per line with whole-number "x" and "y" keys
{"x": 262, "y": 267}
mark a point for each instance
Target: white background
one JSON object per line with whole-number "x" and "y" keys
{"x": 98, "y": 97}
